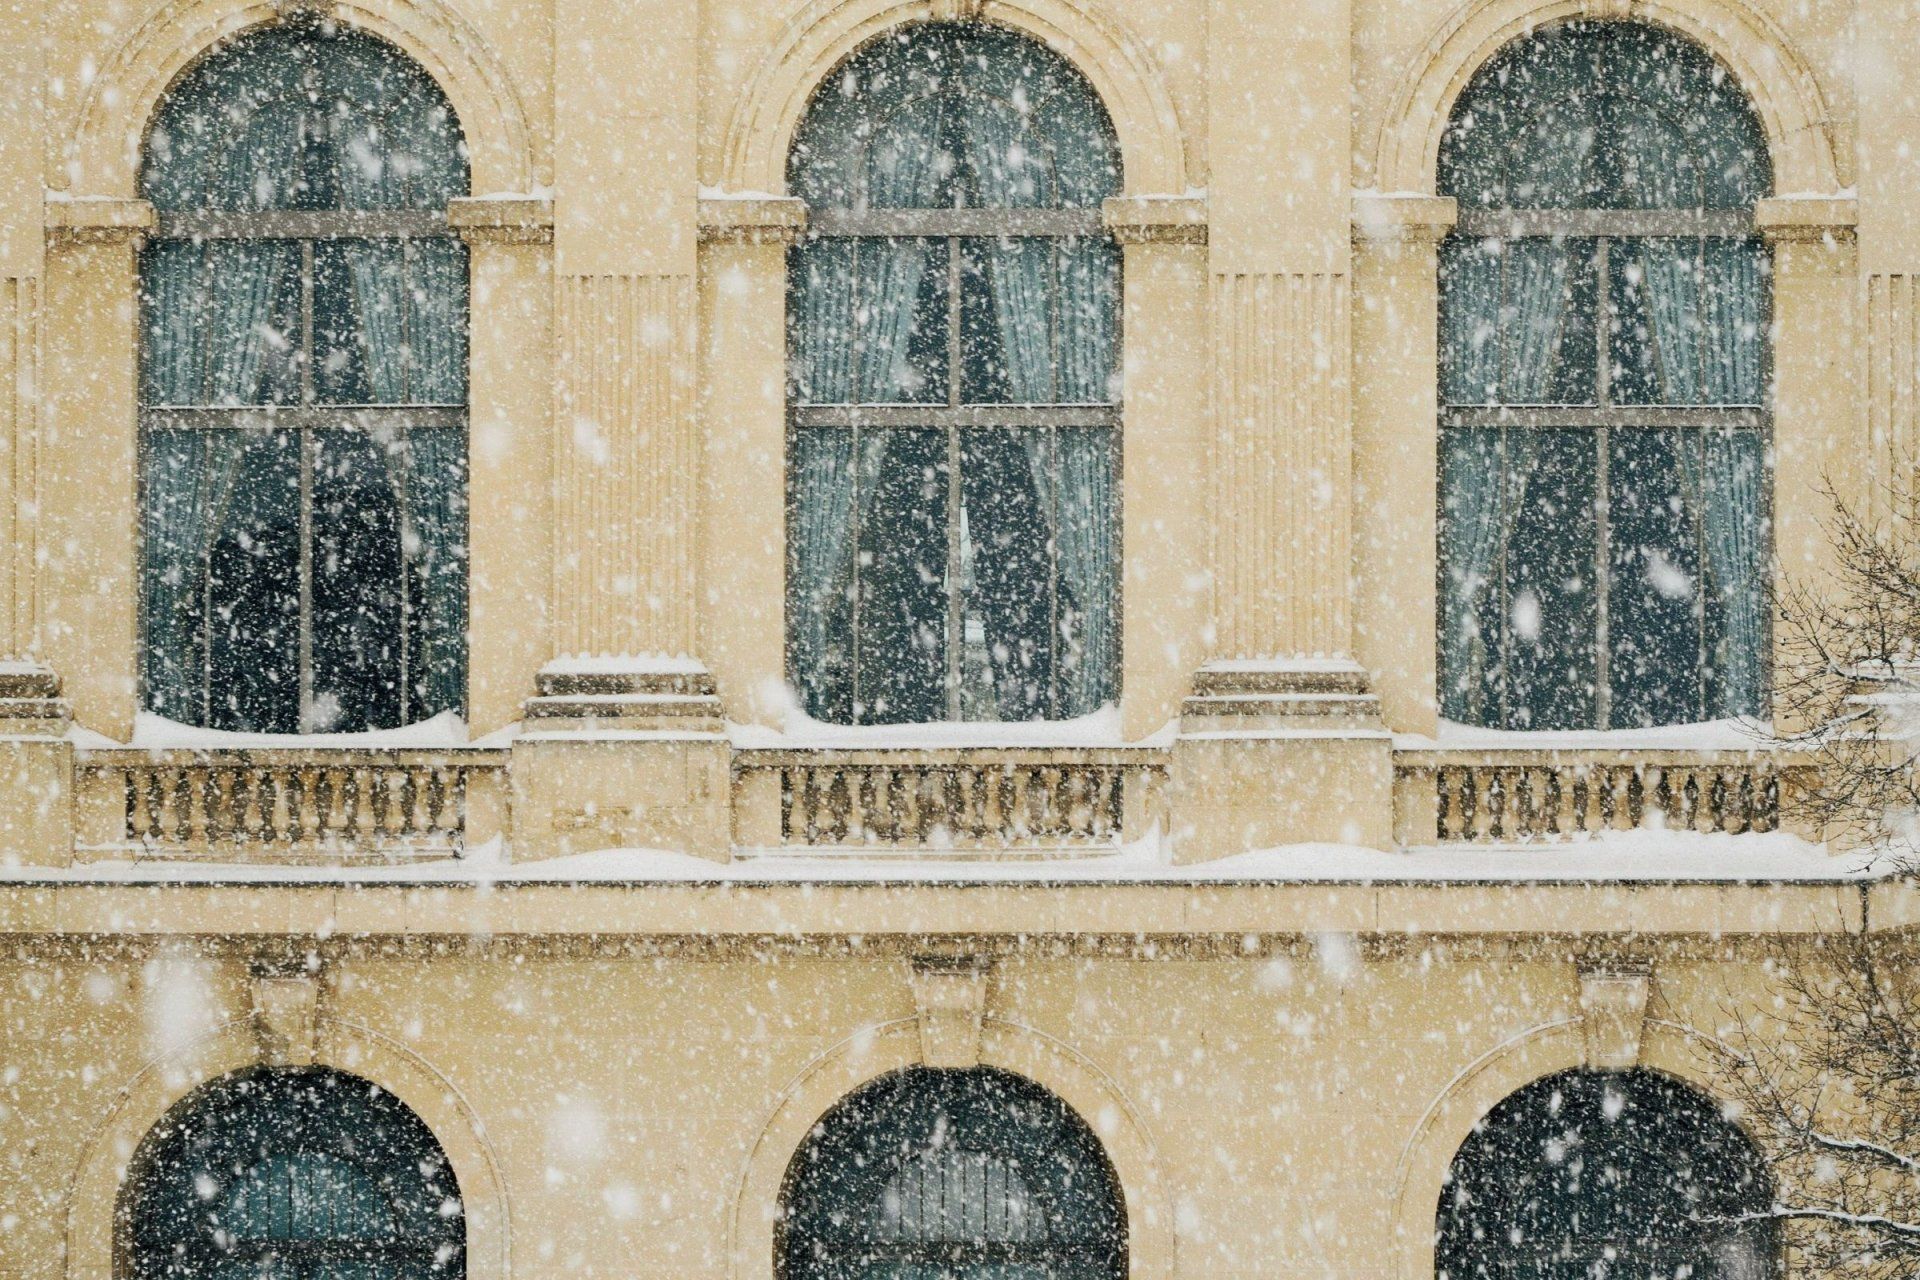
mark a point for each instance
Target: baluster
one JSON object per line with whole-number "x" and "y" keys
{"x": 394, "y": 783}
{"x": 1740, "y": 802}
{"x": 136, "y": 785}
{"x": 858, "y": 780}
{"x": 994, "y": 822}
{"x": 1105, "y": 802}
{"x": 306, "y": 781}
{"x": 333, "y": 824}
{"x": 1447, "y": 823}
{"x": 365, "y": 806}
{"x": 451, "y": 793}
{"x": 1766, "y": 815}
{"x": 791, "y": 780}
{"x": 420, "y": 815}
{"x": 169, "y": 779}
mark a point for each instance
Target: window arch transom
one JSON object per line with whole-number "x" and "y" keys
{"x": 1606, "y": 1173}
{"x": 297, "y": 1173}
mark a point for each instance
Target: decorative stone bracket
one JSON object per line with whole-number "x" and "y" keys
{"x": 502, "y": 219}
{"x": 950, "y": 1001}
{"x": 751, "y": 219}
{"x": 97, "y": 220}
{"x": 1613, "y": 1010}
{"x": 1156, "y": 219}
{"x": 286, "y": 1010}
{"x": 1411, "y": 219}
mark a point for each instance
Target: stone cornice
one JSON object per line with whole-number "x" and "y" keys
{"x": 1379, "y": 217}
{"x": 97, "y": 220}
{"x": 502, "y": 219}
{"x": 1807, "y": 219}
{"x": 751, "y": 219}
{"x": 1155, "y": 219}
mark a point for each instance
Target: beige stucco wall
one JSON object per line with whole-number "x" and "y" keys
{"x": 1275, "y": 1105}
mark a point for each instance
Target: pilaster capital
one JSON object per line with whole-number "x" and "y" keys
{"x": 110, "y": 220}
{"x": 1402, "y": 218}
{"x": 1807, "y": 219}
{"x": 1156, "y": 219}
{"x": 512, "y": 219}
{"x": 743, "y": 218}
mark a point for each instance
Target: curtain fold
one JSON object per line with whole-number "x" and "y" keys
{"x": 436, "y": 548}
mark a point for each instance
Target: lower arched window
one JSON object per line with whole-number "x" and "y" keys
{"x": 959, "y": 1174}
{"x": 293, "y": 1174}
{"x": 1603, "y": 1175}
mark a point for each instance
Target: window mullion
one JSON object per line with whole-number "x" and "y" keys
{"x": 956, "y": 632}
{"x": 307, "y": 446}
{"x": 1603, "y": 396}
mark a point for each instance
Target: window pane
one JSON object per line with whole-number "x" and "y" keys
{"x": 1736, "y": 541}
{"x": 1654, "y": 661}
{"x": 820, "y": 572}
{"x": 1517, "y": 322}
{"x": 436, "y": 549}
{"x": 221, "y": 323}
{"x": 868, "y": 324}
{"x": 1689, "y": 321}
{"x": 901, "y": 656}
{"x": 1551, "y": 619}
{"x": 253, "y": 590}
{"x": 1089, "y": 312}
{"x": 1086, "y": 544}
{"x": 360, "y": 630}
{"x": 1008, "y": 590}
{"x": 1472, "y": 535}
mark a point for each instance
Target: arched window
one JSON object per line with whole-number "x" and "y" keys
{"x": 966, "y": 1174}
{"x": 298, "y": 1174}
{"x": 953, "y": 317}
{"x": 1604, "y": 315}
{"x": 303, "y": 391}
{"x": 1591, "y": 1175}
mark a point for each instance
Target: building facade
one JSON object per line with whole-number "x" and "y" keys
{"x": 919, "y": 637}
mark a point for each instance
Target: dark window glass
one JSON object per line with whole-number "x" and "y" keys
{"x": 961, "y": 1174}
{"x": 296, "y": 1174}
{"x": 304, "y": 568}
{"x": 1603, "y": 489}
{"x": 965, "y": 566}
{"x": 1598, "y": 1175}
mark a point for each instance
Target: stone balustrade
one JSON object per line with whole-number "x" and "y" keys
{"x": 335, "y": 804}
{"x": 1513, "y": 795}
{"x": 983, "y": 800}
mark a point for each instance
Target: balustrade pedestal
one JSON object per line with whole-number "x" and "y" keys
{"x": 1280, "y": 752}
{"x": 617, "y": 756}
{"x": 36, "y": 768}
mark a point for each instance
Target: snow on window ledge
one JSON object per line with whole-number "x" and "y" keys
{"x": 157, "y": 733}
{"x": 800, "y": 731}
{"x": 1740, "y": 734}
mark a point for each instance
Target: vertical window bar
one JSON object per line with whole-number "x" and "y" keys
{"x": 1603, "y": 540}
{"x": 956, "y": 630}
{"x": 308, "y": 445}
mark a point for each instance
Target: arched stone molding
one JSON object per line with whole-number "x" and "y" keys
{"x": 103, "y": 151}
{"x": 93, "y": 1192}
{"x": 1782, "y": 88}
{"x": 822, "y": 33}
{"x": 1668, "y": 1047}
{"x": 891, "y": 1046}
